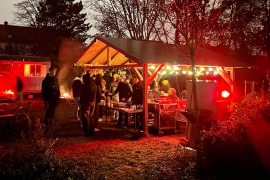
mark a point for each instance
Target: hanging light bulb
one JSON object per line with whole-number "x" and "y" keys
{"x": 184, "y": 72}
{"x": 189, "y": 72}
{"x": 202, "y": 68}
{"x": 164, "y": 72}
{"x": 215, "y": 72}
{"x": 210, "y": 69}
{"x": 207, "y": 72}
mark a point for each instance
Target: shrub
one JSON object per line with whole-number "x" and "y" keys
{"x": 228, "y": 149}
{"x": 34, "y": 158}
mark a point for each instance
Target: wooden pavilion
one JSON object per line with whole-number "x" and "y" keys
{"x": 108, "y": 52}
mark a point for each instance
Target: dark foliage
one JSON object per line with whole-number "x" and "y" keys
{"x": 34, "y": 158}
{"x": 228, "y": 149}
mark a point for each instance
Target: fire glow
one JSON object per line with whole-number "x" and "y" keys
{"x": 9, "y": 92}
{"x": 65, "y": 96}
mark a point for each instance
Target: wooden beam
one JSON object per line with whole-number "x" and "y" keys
{"x": 109, "y": 60}
{"x": 152, "y": 77}
{"x": 160, "y": 76}
{"x": 137, "y": 72}
{"x": 145, "y": 99}
{"x": 97, "y": 54}
{"x": 128, "y": 65}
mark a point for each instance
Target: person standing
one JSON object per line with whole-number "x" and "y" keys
{"x": 87, "y": 100}
{"x": 50, "y": 95}
{"x": 150, "y": 92}
{"x": 76, "y": 90}
{"x": 19, "y": 88}
{"x": 124, "y": 95}
{"x": 99, "y": 96}
{"x": 113, "y": 87}
{"x": 137, "y": 100}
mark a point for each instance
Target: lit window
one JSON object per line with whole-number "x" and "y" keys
{"x": 35, "y": 70}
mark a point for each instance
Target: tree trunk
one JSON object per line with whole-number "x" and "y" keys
{"x": 197, "y": 114}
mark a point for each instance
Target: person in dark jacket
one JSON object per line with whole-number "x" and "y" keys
{"x": 19, "y": 86}
{"x": 87, "y": 100}
{"x": 99, "y": 96}
{"x": 50, "y": 94}
{"x": 76, "y": 90}
{"x": 137, "y": 100}
{"x": 124, "y": 95}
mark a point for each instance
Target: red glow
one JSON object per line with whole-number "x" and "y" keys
{"x": 225, "y": 94}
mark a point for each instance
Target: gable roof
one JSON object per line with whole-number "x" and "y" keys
{"x": 21, "y": 34}
{"x": 24, "y": 58}
{"x": 126, "y": 51}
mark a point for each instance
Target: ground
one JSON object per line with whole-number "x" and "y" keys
{"x": 110, "y": 153}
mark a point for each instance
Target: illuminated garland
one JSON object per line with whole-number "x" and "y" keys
{"x": 177, "y": 70}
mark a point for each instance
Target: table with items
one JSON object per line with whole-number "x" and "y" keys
{"x": 122, "y": 107}
{"x": 166, "y": 113}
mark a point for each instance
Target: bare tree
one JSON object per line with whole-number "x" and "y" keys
{"x": 26, "y": 12}
{"x": 248, "y": 27}
{"x": 192, "y": 25}
{"x": 132, "y": 19}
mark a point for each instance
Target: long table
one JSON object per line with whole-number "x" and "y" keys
{"x": 124, "y": 110}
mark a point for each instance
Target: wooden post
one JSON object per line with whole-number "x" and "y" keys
{"x": 145, "y": 98}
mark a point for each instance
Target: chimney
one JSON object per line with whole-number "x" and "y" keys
{"x": 5, "y": 23}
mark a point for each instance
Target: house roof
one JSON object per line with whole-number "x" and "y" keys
{"x": 127, "y": 51}
{"x": 24, "y": 58}
{"x": 21, "y": 34}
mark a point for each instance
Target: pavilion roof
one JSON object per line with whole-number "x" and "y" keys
{"x": 108, "y": 51}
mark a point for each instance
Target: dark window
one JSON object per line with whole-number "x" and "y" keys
{"x": 5, "y": 67}
{"x": 32, "y": 70}
{"x": 35, "y": 70}
{"x": 38, "y": 70}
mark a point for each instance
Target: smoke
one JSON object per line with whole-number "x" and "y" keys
{"x": 70, "y": 49}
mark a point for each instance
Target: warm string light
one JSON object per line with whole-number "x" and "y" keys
{"x": 200, "y": 71}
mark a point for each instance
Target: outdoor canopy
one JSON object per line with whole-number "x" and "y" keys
{"x": 108, "y": 51}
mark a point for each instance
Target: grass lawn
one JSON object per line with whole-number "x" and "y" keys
{"x": 110, "y": 153}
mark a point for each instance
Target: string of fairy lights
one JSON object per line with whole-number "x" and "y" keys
{"x": 186, "y": 70}
{"x": 166, "y": 70}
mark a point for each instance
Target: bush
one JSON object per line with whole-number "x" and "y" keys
{"x": 34, "y": 158}
{"x": 228, "y": 149}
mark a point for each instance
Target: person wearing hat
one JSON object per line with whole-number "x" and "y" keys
{"x": 165, "y": 86}
{"x": 76, "y": 90}
{"x": 50, "y": 95}
{"x": 172, "y": 95}
{"x": 125, "y": 94}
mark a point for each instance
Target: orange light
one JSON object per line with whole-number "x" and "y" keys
{"x": 225, "y": 94}
{"x": 9, "y": 92}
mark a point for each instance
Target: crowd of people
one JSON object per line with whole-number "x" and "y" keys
{"x": 88, "y": 91}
